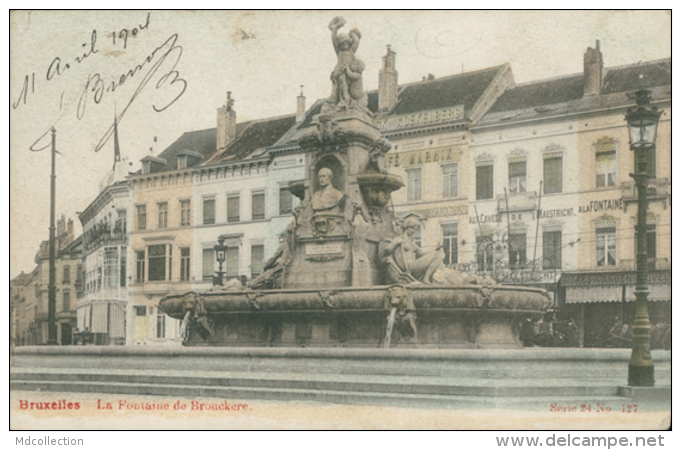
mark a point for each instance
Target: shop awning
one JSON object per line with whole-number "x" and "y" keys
{"x": 593, "y": 294}
{"x": 656, "y": 293}
{"x": 591, "y": 287}
{"x": 102, "y": 316}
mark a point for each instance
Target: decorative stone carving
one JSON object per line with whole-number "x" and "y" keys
{"x": 327, "y": 198}
{"x": 347, "y": 86}
{"x": 327, "y": 298}
{"x": 326, "y": 136}
{"x": 270, "y": 278}
{"x": 377, "y": 187}
{"x": 342, "y": 244}
{"x": 374, "y": 162}
{"x": 403, "y": 320}
{"x": 254, "y": 299}
{"x": 195, "y": 317}
{"x": 405, "y": 261}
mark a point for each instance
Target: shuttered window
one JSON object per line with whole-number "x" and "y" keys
{"x": 257, "y": 256}
{"x": 553, "y": 175}
{"x": 552, "y": 250}
{"x": 208, "y": 263}
{"x": 233, "y": 208}
{"x": 484, "y": 182}
{"x": 517, "y": 177}
{"x": 258, "y": 205}
{"x": 208, "y": 211}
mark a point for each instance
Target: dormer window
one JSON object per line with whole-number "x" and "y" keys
{"x": 151, "y": 164}
{"x": 188, "y": 158}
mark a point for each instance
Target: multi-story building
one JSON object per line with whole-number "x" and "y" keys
{"x": 554, "y": 200}
{"x": 526, "y": 183}
{"x": 430, "y": 124}
{"x": 103, "y": 309}
{"x": 236, "y": 203}
{"x": 207, "y": 186}
{"x": 161, "y": 234}
{"x": 31, "y": 291}
{"x": 18, "y": 291}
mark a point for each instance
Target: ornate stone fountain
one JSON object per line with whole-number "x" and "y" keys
{"x": 347, "y": 274}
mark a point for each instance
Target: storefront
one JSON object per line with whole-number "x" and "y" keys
{"x": 103, "y": 321}
{"x": 597, "y": 300}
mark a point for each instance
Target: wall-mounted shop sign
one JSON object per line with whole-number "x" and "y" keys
{"x": 443, "y": 211}
{"x": 602, "y": 205}
{"x": 422, "y": 118}
{"x": 557, "y": 213}
{"x": 485, "y": 218}
{"x": 610, "y": 278}
{"x": 408, "y": 159}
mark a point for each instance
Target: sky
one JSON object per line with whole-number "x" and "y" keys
{"x": 77, "y": 71}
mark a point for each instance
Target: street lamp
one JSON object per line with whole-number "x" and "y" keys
{"x": 642, "y": 121}
{"x": 220, "y": 251}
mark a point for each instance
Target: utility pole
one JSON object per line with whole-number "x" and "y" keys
{"x": 51, "y": 289}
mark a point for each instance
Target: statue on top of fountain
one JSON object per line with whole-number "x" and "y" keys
{"x": 348, "y": 88}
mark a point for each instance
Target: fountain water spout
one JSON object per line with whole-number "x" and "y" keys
{"x": 389, "y": 328}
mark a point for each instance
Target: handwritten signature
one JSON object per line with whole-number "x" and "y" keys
{"x": 96, "y": 87}
{"x": 163, "y": 61}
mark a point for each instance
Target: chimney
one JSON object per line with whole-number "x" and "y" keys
{"x": 300, "y": 111}
{"x": 61, "y": 222}
{"x": 593, "y": 70}
{"x": 69, "y": 226}
{"x": 387, "y": 82}
{"x": 226, "y": 123}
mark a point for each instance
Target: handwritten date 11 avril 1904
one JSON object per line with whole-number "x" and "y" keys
{"x": 96, "y": 85}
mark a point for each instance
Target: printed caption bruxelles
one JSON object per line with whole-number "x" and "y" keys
{"x": 194, "y": 405}
{"x": 58, "y": 405}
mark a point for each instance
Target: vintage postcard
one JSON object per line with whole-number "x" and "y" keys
{"x": 341, "y": 220}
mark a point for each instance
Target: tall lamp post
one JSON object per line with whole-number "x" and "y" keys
{"x": 642, "y": 121}
{"x": 220, "y": 250}
{"x": 51, "y": 288}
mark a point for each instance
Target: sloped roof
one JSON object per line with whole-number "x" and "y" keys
{"x": 461, "y": 89}
{"x": 309, "y": 115}
{"x": 256, "y": 135}
{"x": 559, "y": 90}
{"x": 76, "y": 246}
{"x": 626, "y": 78}
{"x": 566, "y": 93}
{"x": 201, "y": 141}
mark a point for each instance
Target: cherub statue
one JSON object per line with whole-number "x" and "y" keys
{"x": 346, "y": 77}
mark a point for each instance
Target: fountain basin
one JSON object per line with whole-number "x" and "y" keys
{"x": 446, "y": 316}
{"x": 376, "y": 187}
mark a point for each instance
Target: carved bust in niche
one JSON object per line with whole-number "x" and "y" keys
{"x": 327, "y": 199}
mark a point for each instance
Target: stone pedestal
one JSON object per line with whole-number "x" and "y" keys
{"x": 336, "y": 246}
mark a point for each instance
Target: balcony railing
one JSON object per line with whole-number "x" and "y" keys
{"x": 653, "y": 264}
{"x": 106, "y": 238}
{"x": 658, "y": 189}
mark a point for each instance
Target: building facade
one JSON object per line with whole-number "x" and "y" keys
{"x": 103, "y": 308}
{"x": 555, "y": 203}
{"x": 524, "y": 183}
{"x": 30, "y": 291}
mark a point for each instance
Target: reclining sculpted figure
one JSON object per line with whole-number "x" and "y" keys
{"x": 405, "y": 261}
